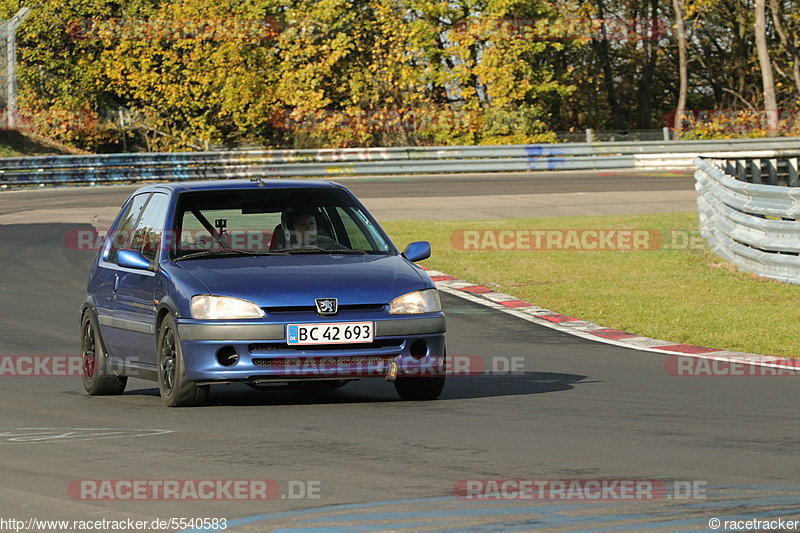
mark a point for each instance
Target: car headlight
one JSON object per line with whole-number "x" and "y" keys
{"x": 426, "y": 301}
{"x": 206, "y": 307}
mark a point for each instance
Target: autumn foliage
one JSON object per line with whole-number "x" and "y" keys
{"x": 203, "y": 74}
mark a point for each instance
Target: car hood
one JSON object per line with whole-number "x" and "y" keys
{"x": 295, "y": 280}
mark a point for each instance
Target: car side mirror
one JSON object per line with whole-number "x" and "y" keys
{"x": 417, "y": 251}
{"x": 133, "y": 259}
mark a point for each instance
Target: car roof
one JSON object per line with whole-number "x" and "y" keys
{"x": 254, "y": 183}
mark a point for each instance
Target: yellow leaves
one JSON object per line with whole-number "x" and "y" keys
{"x": 457, "y": 65}
{"x": 694, "y": 7}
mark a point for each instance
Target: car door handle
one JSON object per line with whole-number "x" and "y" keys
{"x": 116, "y": 282}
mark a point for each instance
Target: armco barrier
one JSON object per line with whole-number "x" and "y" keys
{"x": 89, "y": 169}
{"x": 753, "y": 225}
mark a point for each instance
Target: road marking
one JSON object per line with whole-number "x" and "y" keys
{"x": 46, "y": 435}
{"x": 445, "y": 514}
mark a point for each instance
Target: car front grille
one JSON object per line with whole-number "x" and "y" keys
{"x": 312, "y": 309}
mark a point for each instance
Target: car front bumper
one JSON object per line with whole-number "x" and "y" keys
{"x": 257, "y": 352}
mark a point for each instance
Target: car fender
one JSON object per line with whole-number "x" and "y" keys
{"x": 166, "y": 305}
{"x": 88, "y": 304}
{"x": 88, "y": 307}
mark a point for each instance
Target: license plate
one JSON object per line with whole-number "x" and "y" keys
{"x": 335, "y": 333}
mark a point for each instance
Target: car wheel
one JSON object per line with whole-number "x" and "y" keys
{"x": 98, "y": 379}
{"x": 175, "y": 389}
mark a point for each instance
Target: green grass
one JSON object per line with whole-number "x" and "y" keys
{"x": 684, "y": 295}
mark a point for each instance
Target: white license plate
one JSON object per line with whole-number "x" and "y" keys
{"x": 335, "y": 333}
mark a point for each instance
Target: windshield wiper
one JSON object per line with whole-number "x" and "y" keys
{"x": 224, "y": 253}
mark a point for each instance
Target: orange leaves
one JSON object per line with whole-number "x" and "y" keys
{"x": 343, "y": 72}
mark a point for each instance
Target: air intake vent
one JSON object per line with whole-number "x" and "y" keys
{"x": 321, "y": 361}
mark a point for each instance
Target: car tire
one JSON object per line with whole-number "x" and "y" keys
{"x": 97, "y": 376}
{"x": 175, "y": 389}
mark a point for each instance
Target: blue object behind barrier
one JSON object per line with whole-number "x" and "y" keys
{"x": 541, "y": 157}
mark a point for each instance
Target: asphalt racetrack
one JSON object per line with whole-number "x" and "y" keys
{"x": 359, "y": 459}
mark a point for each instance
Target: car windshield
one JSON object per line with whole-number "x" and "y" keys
{"x": 285, "y": 221}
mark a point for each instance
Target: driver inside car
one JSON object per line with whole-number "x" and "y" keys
{"x": 300, "y": 228}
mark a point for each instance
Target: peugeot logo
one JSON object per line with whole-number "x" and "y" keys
{"x": 327, "y": 306}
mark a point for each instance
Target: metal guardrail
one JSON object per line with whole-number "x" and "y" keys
{"x": 753, "y": 225}
{"x": 770, "y": 171}
{"x": 109, "y": 168}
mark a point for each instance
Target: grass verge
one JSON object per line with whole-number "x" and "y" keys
{"x": 680, "y": 292}
{"x": 16, "y": 144}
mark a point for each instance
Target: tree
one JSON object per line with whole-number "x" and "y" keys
{"x": 197, "y": 74}
{"x": 770, "y": 102}
{"x": 680, "y": 34}
{"x": 787, "y": 41}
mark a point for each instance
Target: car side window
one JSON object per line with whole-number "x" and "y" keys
{"x": 150, "y": 228}
{"x": 359, "y": 231}
{"x": 121, "y": 234}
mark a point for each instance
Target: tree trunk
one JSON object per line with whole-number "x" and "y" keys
{"x": 603, "y": 53}
{"x": 767, "y": 81}
{"x": 680, "y": 29}
{"x": 788, "y": 41}
{"x": 650, "y": 46}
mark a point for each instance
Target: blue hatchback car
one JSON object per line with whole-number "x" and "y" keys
{"x": 262, "y": 282}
